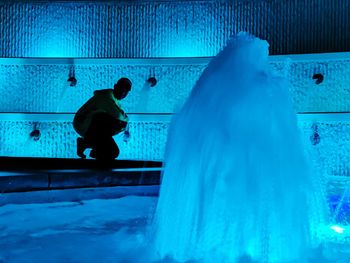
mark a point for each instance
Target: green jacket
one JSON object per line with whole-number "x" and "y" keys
{"x": 102, "y": 101}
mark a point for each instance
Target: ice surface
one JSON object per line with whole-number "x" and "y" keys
{"x": 82, "y": 231}
{"x": 100, "y": 230}
{"x": 236, "y": 184}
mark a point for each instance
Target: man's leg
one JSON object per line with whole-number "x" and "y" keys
{"x": 100, "y": 137}
{"x": 106, "y": 149}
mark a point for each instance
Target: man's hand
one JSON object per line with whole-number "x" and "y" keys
{"x": 122, "y": 124}
{"x": 126, "y": 136}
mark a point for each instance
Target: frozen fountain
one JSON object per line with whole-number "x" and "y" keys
{"x": 236, "y": 184}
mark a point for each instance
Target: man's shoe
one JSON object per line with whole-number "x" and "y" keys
{"x": 81, "y": 147}
{"x": 93, "y": 153}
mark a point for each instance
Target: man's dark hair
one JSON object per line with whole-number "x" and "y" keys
{"x": 123, "y": 83}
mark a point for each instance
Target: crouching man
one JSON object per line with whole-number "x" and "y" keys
{"x": 99, "y": 119}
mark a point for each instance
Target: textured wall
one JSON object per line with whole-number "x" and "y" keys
{"x": 58, "y": 140}
{"x": 148, "y": 139}
{"x": 168, "y": 28}
{"x": 332, "y": 95}
{"x": 40, "y": 86}
{"x": 146, "y": 29}
{"x": 330, "y": 152}
{"x": 44, "y": 87}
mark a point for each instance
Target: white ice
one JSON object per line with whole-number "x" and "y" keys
{"x": 236, "y": 185}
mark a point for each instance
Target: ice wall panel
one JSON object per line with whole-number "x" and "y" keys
{"x": 168, "y": 28}
{"x": 148, "y": 138}
{"x": 58, "y": 140}
{"x": 330, "y": 153}
{"x": 332, "y": 95}
{"x": 44, "y": 88}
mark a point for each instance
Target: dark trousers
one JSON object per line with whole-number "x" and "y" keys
{"x": 99, "y": 136}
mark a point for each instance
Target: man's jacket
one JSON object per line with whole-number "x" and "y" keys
{"x": 102, "y": 101}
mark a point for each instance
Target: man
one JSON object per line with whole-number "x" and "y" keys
{"x": 99, "y": 119}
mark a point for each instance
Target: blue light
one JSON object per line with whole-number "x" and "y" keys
{"x": 186, "y": 48}
{"x": 340, "y": 208}
{"x": 52, "y": 45}
{"x": 338, "y": 229}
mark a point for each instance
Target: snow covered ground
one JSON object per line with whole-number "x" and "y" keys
{"x": 53, "y": 226}
{"x": 84, "y": 231}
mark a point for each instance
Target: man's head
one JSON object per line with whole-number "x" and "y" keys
{"x": 122, "y": 88}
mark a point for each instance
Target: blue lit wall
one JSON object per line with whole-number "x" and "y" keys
{"x": 149, "y": 29}
{"x": 58, "y": 139}
{"x": 168, "y": 28}
{"x": 148, "y": 138}
{"x": 29, "y": 86}
{"x": 37, "y": 86}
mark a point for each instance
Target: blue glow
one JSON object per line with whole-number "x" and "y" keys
{"x": 51, "y": 48}
{"x": 338, "y": 229}
{"x": 186, "y": 47}
{"x": 53, "y": 45}
{"x": 340, "y": 208}
{"x": 56, "y": 39}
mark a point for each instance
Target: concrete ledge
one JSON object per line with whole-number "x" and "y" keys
{"x": 43, "y": 164}
{"x": 93, "y": 178}
{"x": 33, "y": 174}
{"x": 152, "y": 117}
{"x": 77, "y": 194}
{"x": 19, "y": 182}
